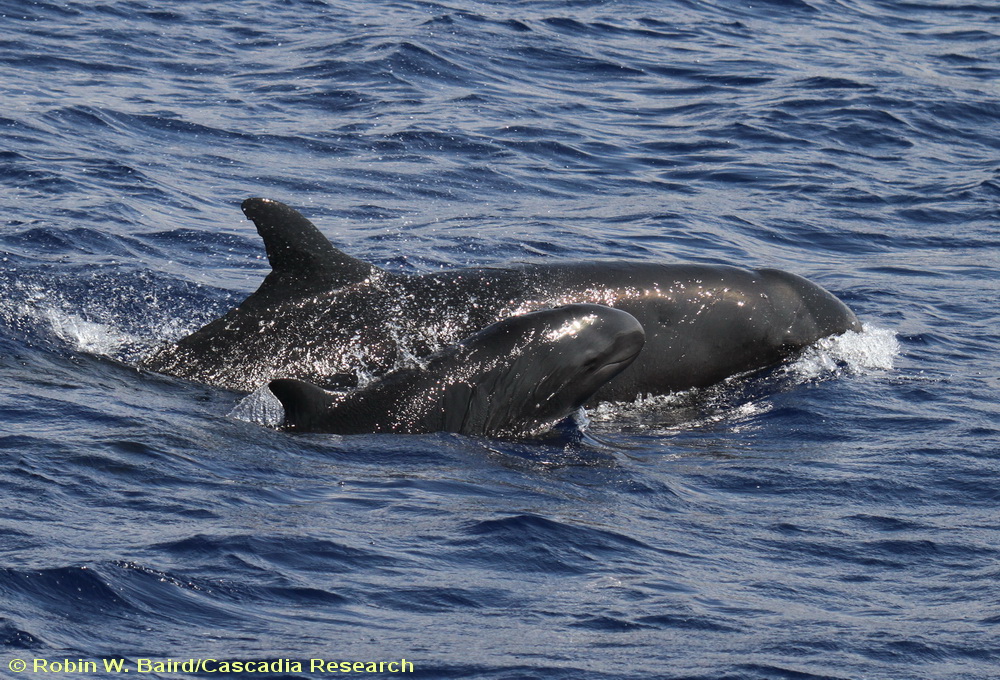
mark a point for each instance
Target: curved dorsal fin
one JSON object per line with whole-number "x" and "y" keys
{"x": 305, "y": 404}
{"x": 301, "y": 258}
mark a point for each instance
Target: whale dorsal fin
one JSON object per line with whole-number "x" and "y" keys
{"x": 302, "y": 259}
{"x": 305, "y": 404}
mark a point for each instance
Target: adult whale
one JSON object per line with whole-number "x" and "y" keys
{"x": 329, "y": 318}
{"x": 515, "y": 378}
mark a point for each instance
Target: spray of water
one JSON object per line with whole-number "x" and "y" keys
{"x": 101, "y": 325}
{"x": 873, "y": 349}
{"x": 260, "y": 407}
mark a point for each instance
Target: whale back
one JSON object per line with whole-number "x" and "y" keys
{"x": 273, "y": 322}
{"x": 323, "y": 313}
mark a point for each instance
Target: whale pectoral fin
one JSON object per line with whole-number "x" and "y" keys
{"x": 302, "y": 259}
{"x": 305, "y": 404}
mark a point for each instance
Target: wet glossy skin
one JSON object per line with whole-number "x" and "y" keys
{"x": 515, "y": 378}
{"x": 319, "y": 320}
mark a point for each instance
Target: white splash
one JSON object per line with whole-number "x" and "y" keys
{"x": 638, "y": 410}
{"x": 873, "y": 349}
{"x": 40, "y": 311}
{"x": 260, "y": 407}
{"x": 89, "y": 336}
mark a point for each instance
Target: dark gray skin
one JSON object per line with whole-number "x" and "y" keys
{"x": 326, "y": 317}
{"x": 515, "y": 378}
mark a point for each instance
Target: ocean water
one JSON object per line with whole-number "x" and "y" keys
{"x": 836, "y": 517}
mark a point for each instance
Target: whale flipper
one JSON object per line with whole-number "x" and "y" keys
{"x": 303, "y": 261}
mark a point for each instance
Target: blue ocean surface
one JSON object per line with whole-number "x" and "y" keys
{"x": 837, "y": 517}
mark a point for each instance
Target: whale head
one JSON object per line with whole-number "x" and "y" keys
{"x": 528, "y": 372}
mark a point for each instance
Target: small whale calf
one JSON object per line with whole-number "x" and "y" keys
{"x": 515, "y": 378}
{"x": 479, "y": 350}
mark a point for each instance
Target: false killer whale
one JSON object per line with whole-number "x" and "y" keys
{"x": 325, "y": 317}
{"x": 514, "y": 378}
